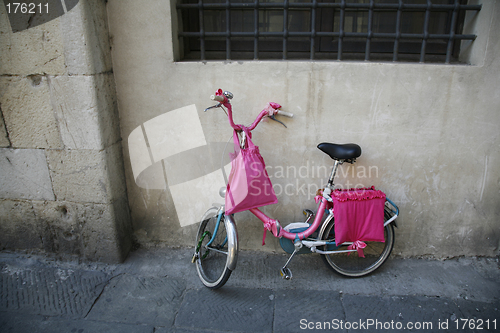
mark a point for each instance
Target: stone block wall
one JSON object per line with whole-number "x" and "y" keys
{"x": 62, "y": 184}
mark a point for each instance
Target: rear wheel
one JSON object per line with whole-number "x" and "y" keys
{"x": 350, "y": 264}
{"x": 213, "y": 249}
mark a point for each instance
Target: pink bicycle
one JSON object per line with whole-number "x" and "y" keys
{"x": 216, "y": 250}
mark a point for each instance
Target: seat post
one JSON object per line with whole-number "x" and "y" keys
{"x": 334, "y": 172}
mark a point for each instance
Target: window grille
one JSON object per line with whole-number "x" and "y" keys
{"x": 397, "y": 30}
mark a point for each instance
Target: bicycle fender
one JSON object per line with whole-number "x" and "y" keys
{"x": 232, "y": 239}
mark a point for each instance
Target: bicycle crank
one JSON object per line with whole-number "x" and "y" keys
{"x": 286, "y": 273}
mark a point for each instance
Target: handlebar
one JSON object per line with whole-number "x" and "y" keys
{"x": 220, "y": 99}
{"x": 285, "y": 114}
{"x": 271, "y": 110}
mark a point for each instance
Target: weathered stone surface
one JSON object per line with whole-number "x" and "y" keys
{"x": 86, "y": 40}
{"x": 28, "y": 112}
{"x": 22, "y": 18}
{"x": 79, "y": 175}
{"x": 60, "y": 226}
{"x": 97, "y": 232}
{"x": 89, "y": 119}
{"x": 24, "y": 175}
{"x": 87, "y": 175}
{"x": 101, "y": 237}
{"x": 18, "y": 226}
{"x": 37, "y": 50}
{"x": 4, "y": 138}
{"x": 57, "y": 94}
{"x": 122, "y": 225}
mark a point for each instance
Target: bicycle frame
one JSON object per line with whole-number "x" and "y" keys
{"x": 269, "y": 223}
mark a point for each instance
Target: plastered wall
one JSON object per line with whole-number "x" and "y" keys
{"x": 429, "y": 133}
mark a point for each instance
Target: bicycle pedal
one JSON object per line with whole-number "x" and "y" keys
{"x": 286, "y": 273}
{"x": 194, "y": 258}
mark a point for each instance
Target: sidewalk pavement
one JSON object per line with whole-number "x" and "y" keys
{"x": 158, "y": 290}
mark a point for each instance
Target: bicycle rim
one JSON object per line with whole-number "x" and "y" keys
{"x": 212, "y": 250}
{"x": 350, "y": 264}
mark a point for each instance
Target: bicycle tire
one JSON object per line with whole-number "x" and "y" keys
{"x": 212, "y": 262}
{"x": 350, "y": 264}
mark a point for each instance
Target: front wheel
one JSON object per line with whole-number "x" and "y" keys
{"x": 349, "y": 264}
{"x": 216, "y": 248}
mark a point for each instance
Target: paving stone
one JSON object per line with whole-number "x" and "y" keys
{"x": 477, "y": 316}
{"x": 184, "y": 330}
{"x": 49, "y": 291}
{"x": 305, "y": 310}
{"x": 139, "y": 300}
{"x": 158, "y": 291}
{"x": 399, "y": 313}
{"x": 227, "y": 309}
{"x": 22, "y": 323}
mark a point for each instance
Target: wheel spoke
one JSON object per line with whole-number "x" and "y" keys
{"x": 216, "y": 250}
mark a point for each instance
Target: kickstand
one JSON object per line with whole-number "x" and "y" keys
{"x": 285, "y": 272}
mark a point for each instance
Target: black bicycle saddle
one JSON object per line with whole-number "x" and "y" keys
{"x": 340, "y": 152}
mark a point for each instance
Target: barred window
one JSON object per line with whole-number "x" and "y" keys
{"x": 397, "y": 30}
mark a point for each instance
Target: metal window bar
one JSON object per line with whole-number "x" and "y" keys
{"x": 454, "y": 17}
{"x": 256, "y": 30}
{"x": 285, "y": 30}
{"x": 202, "y": 30}
{"x": 426, "y": 30}
{"x": 341, "y": 6}
{"x": 369, "y": 37}
{"x": 398, "y": 31}
{"x": 228, "y": 30}
{"x": 341, "y": 29}
{"x": 313, "y": 28}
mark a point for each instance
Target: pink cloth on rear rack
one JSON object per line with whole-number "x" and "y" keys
{"x": 359, "y": 217}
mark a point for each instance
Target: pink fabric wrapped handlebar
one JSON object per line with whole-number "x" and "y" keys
{"x": 268, "y": 111}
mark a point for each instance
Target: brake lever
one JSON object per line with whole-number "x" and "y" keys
{"x": 274, "y": 118}
{"x": 213, "y": 107}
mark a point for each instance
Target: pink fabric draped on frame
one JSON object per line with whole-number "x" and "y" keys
{"x": 359, "y": 217}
